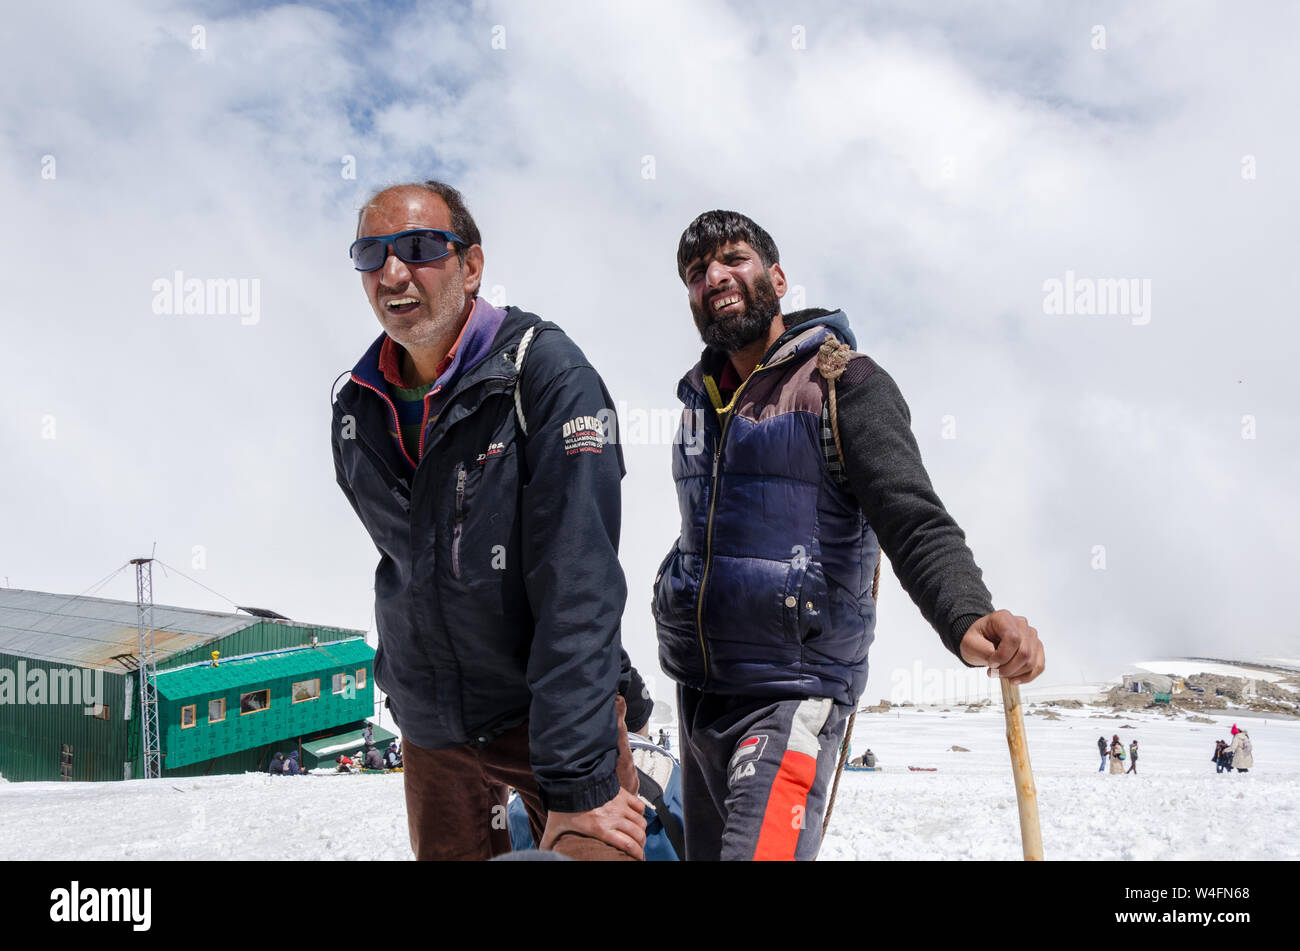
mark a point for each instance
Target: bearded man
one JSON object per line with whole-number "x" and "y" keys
{"x": 764, "y": 606}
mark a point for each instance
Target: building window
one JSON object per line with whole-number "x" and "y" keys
{"x": 341, "y": 683}
{"x": 306, "y": 690}
{"x": 188, "y": 716}
{"x": 361, "y": 679}
{"x": 254, "y": 702}
{"x": 216, "y": 710}
{"x": 99, "y": 711}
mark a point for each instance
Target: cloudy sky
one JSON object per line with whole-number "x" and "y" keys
{"x": 960, "y": 179}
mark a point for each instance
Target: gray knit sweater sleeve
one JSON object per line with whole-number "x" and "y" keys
{"x": 925, "y": 546}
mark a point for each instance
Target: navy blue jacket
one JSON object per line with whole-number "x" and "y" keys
{"x": 768, "y": 590}
{"x": 498, "y": 595}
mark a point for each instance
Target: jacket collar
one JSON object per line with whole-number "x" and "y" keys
{"x": 478, "y": 334}
{"x": 512, "y": 324}
{"x": 805, "y": 330}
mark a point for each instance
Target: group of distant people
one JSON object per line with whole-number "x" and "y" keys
{"x": 286, "y": 766}
{"x": 1238, "y": 755}
{"x": 1112, "y": 754}
{"x": 866, "y": 759}
{"x": 371, "y": 757}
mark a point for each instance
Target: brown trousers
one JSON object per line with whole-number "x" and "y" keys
{"x": 456, "y": 799}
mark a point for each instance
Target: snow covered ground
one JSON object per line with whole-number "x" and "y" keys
{"x": 1175, "y": 807}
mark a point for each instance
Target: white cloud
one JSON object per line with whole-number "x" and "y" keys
{"x": 925, "y": 172}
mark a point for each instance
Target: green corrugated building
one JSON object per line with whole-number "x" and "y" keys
{"x": 70, "y": 700}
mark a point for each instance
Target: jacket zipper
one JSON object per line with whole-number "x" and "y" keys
{"x": 397, "y": 423}
{"x": 713, "y": 499}
{"x": 376, "y": 458}
{"x": 460, "y": 519}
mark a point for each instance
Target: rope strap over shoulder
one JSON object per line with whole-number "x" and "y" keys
{"x": 519, "y": 372}
{"x": 832, "y": 360}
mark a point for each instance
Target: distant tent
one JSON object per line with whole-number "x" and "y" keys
{"x": 1143, "y": 681}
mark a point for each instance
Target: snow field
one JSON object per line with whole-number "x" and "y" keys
{"x": 1175, "y": 807}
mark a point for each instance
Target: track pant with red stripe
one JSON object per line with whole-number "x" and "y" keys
{"x": 755, "y": 774}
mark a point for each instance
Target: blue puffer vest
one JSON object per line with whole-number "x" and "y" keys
{"x": 767, "y": 592}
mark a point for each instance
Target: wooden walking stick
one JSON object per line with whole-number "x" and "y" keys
{"x": 1031, "y": 835}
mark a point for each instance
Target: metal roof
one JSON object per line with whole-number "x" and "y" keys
{"x": 201, "y": 679}
{"x": 90, "y": 632}
{"x": 328, "y": 747}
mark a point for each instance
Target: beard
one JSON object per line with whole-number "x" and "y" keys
{"x": 735, "y": 332}
{"x": 441, "y": 311}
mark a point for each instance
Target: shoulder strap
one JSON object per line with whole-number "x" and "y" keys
{"x": 520, "y": 354}
{"x": 832, "y": 359}
{"x": 672, "y": 827}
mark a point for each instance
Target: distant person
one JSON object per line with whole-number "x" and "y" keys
{"x": 393, "y": 759}
{"x": 291, "y": 767}
{"x": 1243, "y": 756}
{"x": 374, "y": 759}
{"x": 368, "y": 736}
{"x": 277, "y": 764}
{"x": 1116, "y": 756}
{"x": 869, "y": 758}
{"x": 663, "y": 739}
{"x": 1105, "y": 753}
{"x": 1222, "y": 758}
{"x": 1133, "y": 757}
{"x": 345, "y": 764}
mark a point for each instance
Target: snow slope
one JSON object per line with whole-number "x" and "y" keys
{"x": 1185, "y": 667}
{"x": 1176, "y": 807}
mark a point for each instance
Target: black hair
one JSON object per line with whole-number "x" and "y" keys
{"x": 462, "y": 222}
{"x": 715, "y": 228}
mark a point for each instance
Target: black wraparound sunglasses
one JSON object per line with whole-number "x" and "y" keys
{"x": 417, "y": 246}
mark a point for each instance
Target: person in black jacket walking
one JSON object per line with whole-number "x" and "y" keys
{"x": 469, "y": 442}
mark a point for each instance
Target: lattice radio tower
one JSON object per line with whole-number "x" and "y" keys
{"x": 148, "y": 671}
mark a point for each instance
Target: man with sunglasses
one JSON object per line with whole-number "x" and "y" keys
{"x": 764, "y": 607}
{"x": 464, "y": 442}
